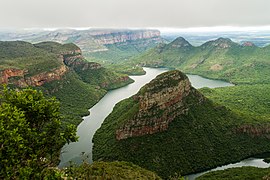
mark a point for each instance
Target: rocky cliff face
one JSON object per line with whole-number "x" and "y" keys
{"x": 160, "y": 102}
{"x": 108, "y": 37}
{"x": 19, "y": 77}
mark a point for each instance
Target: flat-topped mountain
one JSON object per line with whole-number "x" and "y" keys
{"x": 91, "y": 40}
{"x": 169, "y": 127}
{"x": 219, "y": 59}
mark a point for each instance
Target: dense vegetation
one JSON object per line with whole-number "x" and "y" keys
{"x": 120, "y": 52}
{"x": 201, "y": 139}
{"x": 218, "y": 59}
{"x": 31, "y": 134}
{"x": 78, "y": 89}
{"x": 251, "y": 100}
{"x": 109, "y": 170}
{"x": 31, "y": 137}
{"x": 23, "y": 55}
{"x": 75, "y": 96}
{"x": 239, "y": 173}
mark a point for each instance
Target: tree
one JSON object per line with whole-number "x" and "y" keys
{"x": 31, "y": 133}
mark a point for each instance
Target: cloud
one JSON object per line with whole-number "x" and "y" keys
{"x": 134, "y": 13}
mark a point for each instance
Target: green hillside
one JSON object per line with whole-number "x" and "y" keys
{"x": 206, "y": 136}
{"x": 251, "y": 100}
{"x": 218, "y": 59}
{"x": 110, "y": 170}
{"x": 58, "y": 70}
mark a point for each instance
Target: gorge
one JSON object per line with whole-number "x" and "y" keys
{"x": 85, "y": 131}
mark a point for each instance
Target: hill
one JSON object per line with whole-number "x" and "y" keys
{"x": 169, "y": 127}
{"x": 58, "y": 70}
{"x": 218, "y": 59}
{"x": 110, "y": 170}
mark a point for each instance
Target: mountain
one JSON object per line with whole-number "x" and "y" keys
{"x": 58, "y": 70}
{"x": 111, "y": 43}
{"x": 169, "y": 127}
{"x": 219, "y": 59}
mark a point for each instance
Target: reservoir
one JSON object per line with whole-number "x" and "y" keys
{"x": 82, "y": 150}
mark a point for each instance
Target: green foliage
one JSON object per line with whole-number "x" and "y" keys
{"x": 251, "y": 100}
{"x": 25, "y": 56}
{"x": 203, "y": 138}
{"x": 31, "y": 133}
{"x": 238, "y": 173}
{"x": 218, "y": 59}
{"x": 109, "y": 170}
{"x": 120, "y": 52}
{"x": 75, "y": 96}
{"x": 78, "y": 89}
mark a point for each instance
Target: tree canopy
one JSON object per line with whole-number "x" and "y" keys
{"x": 31, "y": 133}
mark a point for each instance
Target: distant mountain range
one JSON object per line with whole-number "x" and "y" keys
{"x": 220, "y": 59}
{"x": 93, "y": 40}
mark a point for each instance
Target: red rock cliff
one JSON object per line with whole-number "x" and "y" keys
{"x": 160, "y": 102}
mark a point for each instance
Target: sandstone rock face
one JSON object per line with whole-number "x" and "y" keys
{"x": 160, "y": 102}
{"x": 8, "y": 73}
{"x": 22, "y": 80}
{"x": 20, "y": 77}
{"x": 108, "y": 37}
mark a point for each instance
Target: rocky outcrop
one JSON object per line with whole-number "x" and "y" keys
{"x": 20, "y": 79}
{"x": 159, "y": 103}
{"x": 8, "y": 73}
{"x": 254, "y": 130}
{"x": 115, "y": 81}
{"x": 248, "y": 44}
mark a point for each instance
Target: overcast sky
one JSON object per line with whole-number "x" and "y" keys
{"x": 133, "y": 13}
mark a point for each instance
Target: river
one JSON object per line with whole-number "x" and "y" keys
{"x": 89, "y": 125}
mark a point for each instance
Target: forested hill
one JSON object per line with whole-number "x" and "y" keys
{"x": 219, "y": 59}
{"x": 58, "y": 70}
{"x": 169, "y": 127}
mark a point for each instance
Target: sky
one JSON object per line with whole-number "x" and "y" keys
{"x": 133, "y": 13}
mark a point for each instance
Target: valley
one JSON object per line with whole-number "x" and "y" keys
{"x": 166, "y": 126}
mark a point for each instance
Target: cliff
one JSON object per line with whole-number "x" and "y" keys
{"x": 112, "y": 37}
{"x": 160, "y": 102}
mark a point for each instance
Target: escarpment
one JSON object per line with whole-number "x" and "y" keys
{"x": 159, "y": 103}
{"x": 24, "y": 64}
{"x": 19, "y": 77}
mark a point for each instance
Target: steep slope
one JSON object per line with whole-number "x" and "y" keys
{"x": 58, "y": 70}
{"x": 219, "y": 59}
{"x": 169, "y": 127}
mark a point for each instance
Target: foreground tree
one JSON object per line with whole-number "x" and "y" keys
{"x": 31, "y": 134}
